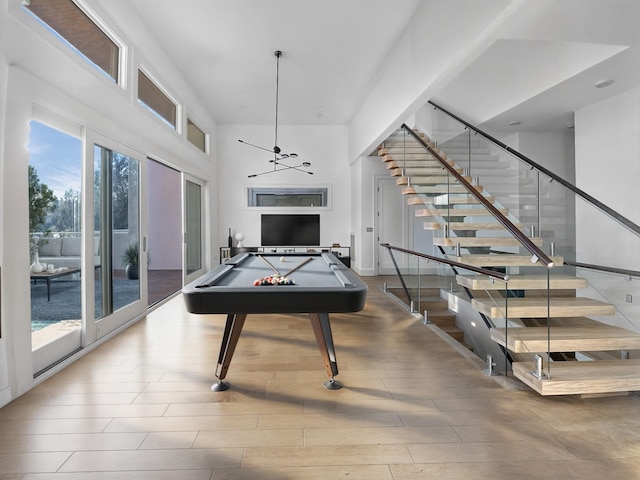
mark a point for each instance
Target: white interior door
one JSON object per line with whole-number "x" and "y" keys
{"x": 392, "y": 220}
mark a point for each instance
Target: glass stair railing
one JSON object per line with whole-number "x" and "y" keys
{"x": 561, "y": 316}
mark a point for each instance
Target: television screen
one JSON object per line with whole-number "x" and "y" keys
{"x": 290, "y": 230}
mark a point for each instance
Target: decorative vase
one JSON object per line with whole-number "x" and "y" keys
{"x": 36, "y": 266}
{"x": 240, "y": 239}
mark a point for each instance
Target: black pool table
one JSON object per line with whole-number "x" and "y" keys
{"x": 319, "y": 284}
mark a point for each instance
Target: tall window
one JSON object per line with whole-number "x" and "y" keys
{"x": 78, "y": 30}
{"x": 152, "y": 97}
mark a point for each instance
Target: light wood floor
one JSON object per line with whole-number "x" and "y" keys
{"x": 139, "y": 408}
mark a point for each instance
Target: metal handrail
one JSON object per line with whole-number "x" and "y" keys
{"x": 482, "y": 271}
{"x": 539, "y": 255}
{"x": 602, "y": 268}
{"x": 581, "y": 193}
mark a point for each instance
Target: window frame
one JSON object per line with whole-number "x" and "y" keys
{"x": 253, "y": 190}
{"x": 207, "y": 137}
{"x": 164, "y": 91}
{"x": 58, "y": 40}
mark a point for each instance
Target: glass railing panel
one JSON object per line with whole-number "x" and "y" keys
{"x": 620, "y": 291}
{"x": 447, "y": 132}
{"x": 417, "y": 280}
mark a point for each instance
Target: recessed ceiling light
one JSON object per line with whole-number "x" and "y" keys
{"x": 513, "y": 123}
{"x": 604, "y": 83}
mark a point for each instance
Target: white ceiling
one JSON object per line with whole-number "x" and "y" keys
{"x": 537, "y": 66}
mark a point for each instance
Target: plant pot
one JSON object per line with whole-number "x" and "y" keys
{"x": 131, "y": 271}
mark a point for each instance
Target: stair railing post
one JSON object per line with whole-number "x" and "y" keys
{"x": 404, "y": 153}
{"x": 469, "y": 146}
{"x": 539, "y": 368}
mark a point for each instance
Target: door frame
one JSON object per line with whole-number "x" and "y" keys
{"x": 96, "y": 329}
{"x": 189, "y": 277}
{"x": 47, "y": 355}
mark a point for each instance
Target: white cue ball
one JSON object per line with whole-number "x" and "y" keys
{"x": 282, "y": 259}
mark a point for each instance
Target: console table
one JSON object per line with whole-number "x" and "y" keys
{"x": 342, "y": 253}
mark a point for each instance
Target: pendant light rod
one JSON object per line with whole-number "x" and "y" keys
{"x": 278, "y": 156}
{"x": 278, "y": 54}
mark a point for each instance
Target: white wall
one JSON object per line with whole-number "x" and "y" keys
{"x": 607, "y": 152}
{"x": 324, "y": 146}
{"x": 551, "y": 150}
{"x": 607, "y": 167}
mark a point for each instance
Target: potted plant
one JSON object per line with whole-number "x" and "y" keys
{"x": 130, "y": 261}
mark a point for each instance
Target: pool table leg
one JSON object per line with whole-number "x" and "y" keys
{"x": 232, "y": 330}
{"x": 322, "y": 329}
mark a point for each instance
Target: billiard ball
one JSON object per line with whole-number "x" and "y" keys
{"x": 283, "y": 259}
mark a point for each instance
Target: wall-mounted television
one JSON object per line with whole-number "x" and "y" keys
{"x": 290, "y": 230}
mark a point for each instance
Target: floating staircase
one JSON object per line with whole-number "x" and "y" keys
{"x": 534, "y": 313}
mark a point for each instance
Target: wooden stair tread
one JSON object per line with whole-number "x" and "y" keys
{"x": 458, "y": 199}
{"x": 427, "y": 179}
{"x": 523, "y": 282}
{"x": 419, "y": 159}
{"x": 430, "y": 163}
{"x": 413, "y": 171}
{"x": 566, "y": 339}
{"x": 470, "y": 225}
{"x": 432, "y": 211}
{"x": 482, "y": 241}
{"x": 590, "y": 377}
{"x": 434, "y": 190}
{"x": 499, "y": 260}
{"x": 536, "y": 307}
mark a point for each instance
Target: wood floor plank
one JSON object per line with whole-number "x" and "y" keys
{"x": 412, "y": 407}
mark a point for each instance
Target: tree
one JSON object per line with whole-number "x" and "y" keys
{"x": 65, "y": 218}
{"x": 42, "y": 201}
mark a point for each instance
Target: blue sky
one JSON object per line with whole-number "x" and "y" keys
{"x": 57, "y": 157}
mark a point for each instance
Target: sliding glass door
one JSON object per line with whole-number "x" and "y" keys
{"x": 119, "y": 248}
{"x": 193, "y": 218}
{"x": 164, "y": 225}
{"x": 55, "y": 194}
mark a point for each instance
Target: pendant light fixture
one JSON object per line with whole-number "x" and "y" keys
{"x": 278, "y": 155}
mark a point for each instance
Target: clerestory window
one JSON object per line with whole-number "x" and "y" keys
{"x": 196, "y": 136}
{"x": 81, "y": 32}
{"x": 152, "y": 97}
